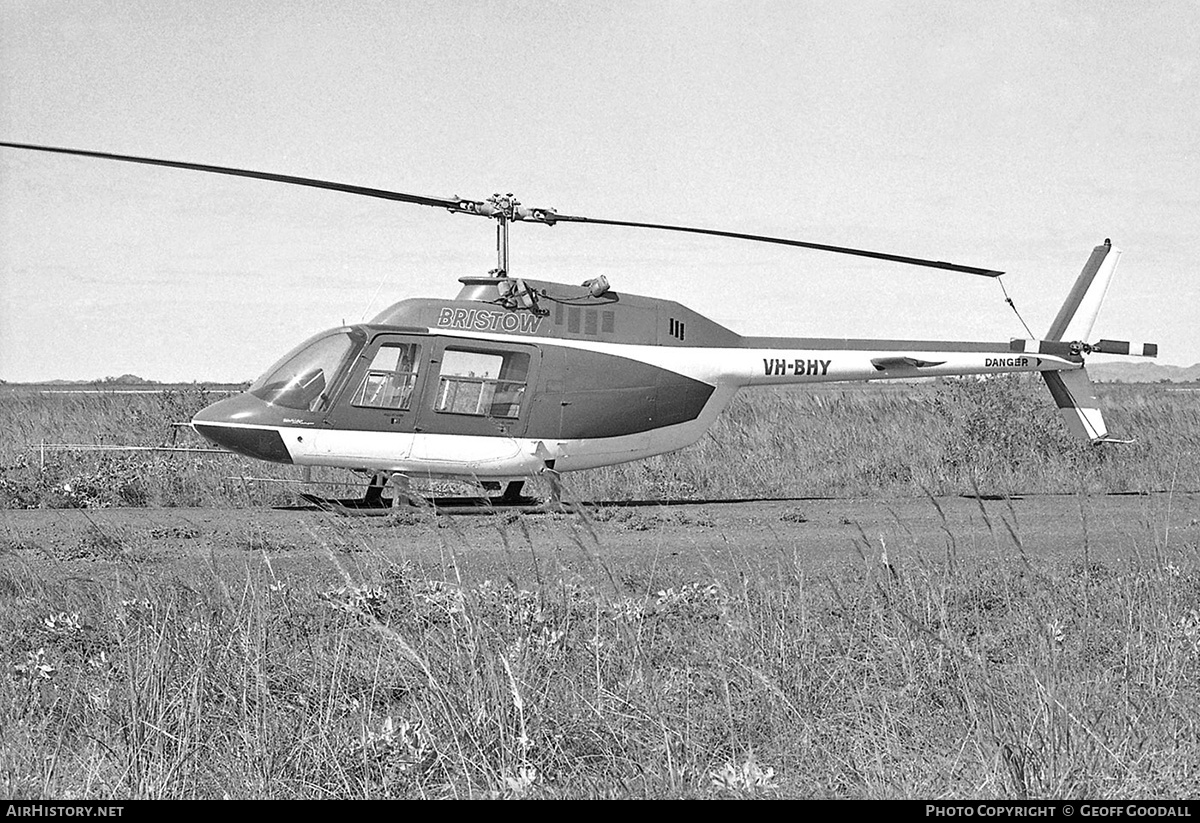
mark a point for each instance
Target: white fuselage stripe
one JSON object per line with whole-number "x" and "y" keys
{"x": 742, "y": 367}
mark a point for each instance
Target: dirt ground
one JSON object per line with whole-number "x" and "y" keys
{"x": 628, "y": 546}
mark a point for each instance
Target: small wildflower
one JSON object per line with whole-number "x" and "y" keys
{"x": 517, "y": 786}
{"x": 626, "y": 609}
{"x": 1189, "y": 629}
{"x": 134, "y": 606}
{"x": 402, "y": 746}
{"x": 357, "y": 600}
{"x": 62, "y": 623}
{"x": 747, "y": 778}
{"x": 691, "y": 600}
{"x": 442, "y": 596}
{"x": 35, "y": 666}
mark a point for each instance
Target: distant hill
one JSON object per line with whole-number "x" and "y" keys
{"x": 125, "y": 384}
{"x": 124, "y": 380}
{"x": 1143, "y": 373}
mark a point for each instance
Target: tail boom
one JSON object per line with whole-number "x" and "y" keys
{"x": 784, "y": 366}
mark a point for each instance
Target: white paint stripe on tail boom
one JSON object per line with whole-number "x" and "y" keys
{"x": 778, "y": 366}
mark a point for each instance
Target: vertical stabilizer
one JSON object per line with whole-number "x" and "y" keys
{"x": 1073, "y": 392}
{"x": 1078, "y": 314}
{"x": 1072, "y": 388}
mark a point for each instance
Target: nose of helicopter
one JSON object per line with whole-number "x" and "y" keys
{"x": 243, "y": 424}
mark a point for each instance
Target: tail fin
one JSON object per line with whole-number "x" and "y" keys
{"x": 1072, "y": 390}
{"x": 1078, "y": 314}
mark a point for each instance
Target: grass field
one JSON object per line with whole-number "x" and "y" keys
{"x": 972, "y": 675}
{"x": 1000, "y": 436}
{"x": 943, "y": 673}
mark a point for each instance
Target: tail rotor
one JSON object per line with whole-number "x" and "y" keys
{"x": 1072, "y": 389}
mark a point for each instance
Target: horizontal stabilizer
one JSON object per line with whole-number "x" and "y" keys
{"x": 885, "y": 363}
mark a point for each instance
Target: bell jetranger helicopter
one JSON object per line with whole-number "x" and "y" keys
{"x": 518, "y": 378}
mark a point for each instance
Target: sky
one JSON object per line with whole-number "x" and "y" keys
{"x": 1013, "y": 136}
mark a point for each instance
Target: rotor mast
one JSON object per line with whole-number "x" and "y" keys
{"x": 501, "y": 269}
{"x": 504, "y": 208}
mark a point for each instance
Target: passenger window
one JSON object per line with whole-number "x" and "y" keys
{"x": 490, "y": 384}
{"x": 391, "y": 379}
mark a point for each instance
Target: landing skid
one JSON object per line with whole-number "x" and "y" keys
{"x": 374, "y": 504}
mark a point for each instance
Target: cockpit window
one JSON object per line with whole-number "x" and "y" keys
{"x": 303, "y": 378}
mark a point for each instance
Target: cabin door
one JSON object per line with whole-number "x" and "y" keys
{"x": 478, "y": 388}
{"x": 380, "y": 398}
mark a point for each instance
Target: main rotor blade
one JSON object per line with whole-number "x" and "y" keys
{"x": 783, "y": 241}
{"x": 498, "y": 207}
{"x": 453, "y": 203}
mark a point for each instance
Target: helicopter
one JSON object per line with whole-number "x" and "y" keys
{"x": 517, "y": 378}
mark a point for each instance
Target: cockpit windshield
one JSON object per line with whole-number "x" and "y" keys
{"x": 304, "y": 377}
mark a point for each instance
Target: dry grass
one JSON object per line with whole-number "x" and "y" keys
{"x": 999, "y": 436}
{"x": 922, "y": 674}
{"x": 904, "y": 676}
{"x": 33, "y": 478}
